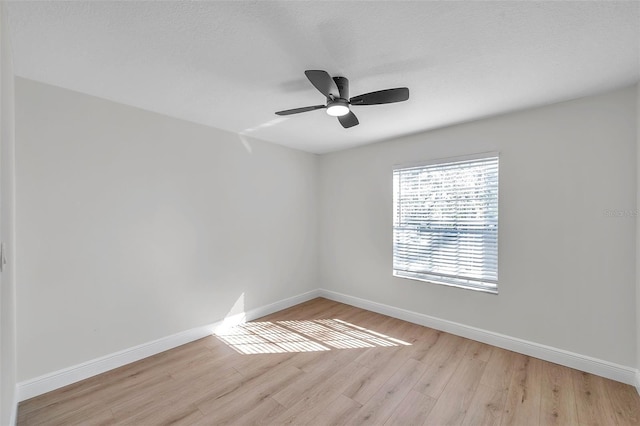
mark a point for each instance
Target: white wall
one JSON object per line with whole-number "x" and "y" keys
{"x": 7, "y": 227}
{"x": 133, "y": 226}
{"x": 566, "y": 274}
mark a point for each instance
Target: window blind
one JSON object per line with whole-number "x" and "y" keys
{"x": 445, "y": 223}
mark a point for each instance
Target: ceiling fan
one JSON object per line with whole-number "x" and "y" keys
{"x": 336, "y": 90}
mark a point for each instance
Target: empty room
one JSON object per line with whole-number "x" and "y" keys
{"x": 319, "y": 212}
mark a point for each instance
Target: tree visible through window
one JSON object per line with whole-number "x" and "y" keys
{"x": 445, "y": 223}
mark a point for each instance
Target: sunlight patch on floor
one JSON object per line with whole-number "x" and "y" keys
{"x": 302, "y": 336}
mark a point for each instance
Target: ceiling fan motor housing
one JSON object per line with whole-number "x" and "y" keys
{"x": 337, "y": 107}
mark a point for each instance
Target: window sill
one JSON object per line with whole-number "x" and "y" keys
{"x": 448, "y": 284}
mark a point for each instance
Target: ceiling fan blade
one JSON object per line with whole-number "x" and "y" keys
{"x": 387, "y": 96}
{"x": 298, "y": 110}
{"x": 322, "y": 81}
{"x": 348, "y": 120}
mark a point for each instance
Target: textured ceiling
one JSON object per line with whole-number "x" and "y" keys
{"x": 231, "y": 65}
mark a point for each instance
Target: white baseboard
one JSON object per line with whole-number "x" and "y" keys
{"x": 281, "y": 304}
{"x": 48, "y": 382}
{"x": 55, "y": 380}
{"x": 595, "y": 366}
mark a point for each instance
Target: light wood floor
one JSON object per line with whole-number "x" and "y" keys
{"x": 389, "y": 372}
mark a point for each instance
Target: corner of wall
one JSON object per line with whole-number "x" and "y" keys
{"x": 8, "y": 388}
{"x": 13, "y": 419}
{"x": 638, "y": 237}
{"x": 75, "y": 373}
{"x": 318, "y": 222}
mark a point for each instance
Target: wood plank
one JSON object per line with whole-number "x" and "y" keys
{"x": 423, "y": 347}
{"x": 77, "y": 417}
{"x": 523, "y": 399}
{"x": 365, "y": 386}
{"x": 592, "y": 402}
{"x": 163, "y": 412}
{"x": 442, "y": 364}
{"x": 251, "y": 366}
{"x": 412, "y": 410}
{"x": 557, "y": 400}
{"x": 479, "y": 350}
{"x": 178, "y": 395}
{"x": 625, "y": 401}
{"x": 97, "y": 401}
{"x": 328, "y": 361}
{"x": 486, "y": 407}
{"x": 264, "y": 413}
{"x": 252, "y": 392}
{"x": 456, "y": 397}
{"x": 312, "y": 384}
{"x": 384, "y": 402}
{"x": 316, "y": 401}
{"x": 499, "y": 370}
{"x": 333, "y": 413}
{"x": 196, "y": 364}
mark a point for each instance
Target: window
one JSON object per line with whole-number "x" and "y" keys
{"x": 445, "y": 223}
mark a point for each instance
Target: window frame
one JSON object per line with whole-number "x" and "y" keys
{"x": 488, "y": 286}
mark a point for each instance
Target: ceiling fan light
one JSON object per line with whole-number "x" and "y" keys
{"x": 337, "y": 110}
